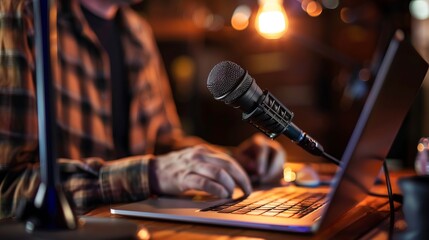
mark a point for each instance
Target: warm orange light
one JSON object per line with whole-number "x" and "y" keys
{"x": 143, "y": 234}
{"x": 345, "y": 15}
{"x": 289, "y": 175}
{"x": 314, "y": 9}
{"x": 420, "y": 147}
{"x": 271, "y": 19}
{"x": 240, "y": 17}
{"x": 304, "y": 4}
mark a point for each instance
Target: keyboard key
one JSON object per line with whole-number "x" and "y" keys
{"x": 256, "y": 212}
{"x": 269, "y": 213}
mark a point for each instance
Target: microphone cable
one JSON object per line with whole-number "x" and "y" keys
{"x": 391, "y": 203}
{"x": 331, "y": 158}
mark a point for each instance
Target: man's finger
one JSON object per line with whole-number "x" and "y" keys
{"x": 217, "y": 174}
{"x": 198, "y": 182}
{"x": 232, "y": 168}
{"x": 276, "y": 166}
{"x": 262, "y": 157}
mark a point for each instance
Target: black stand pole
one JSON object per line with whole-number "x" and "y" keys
{"x": 50, "y": 215}
{"x": 50, "y": 198}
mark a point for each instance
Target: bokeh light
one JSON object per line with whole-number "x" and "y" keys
{"x": 289, "y": 175}
{"x": 420, "y": 147}
{"x": 314, "y": 9}
{"x": 346, "y": 15}
{"x": 419, "y": 9}
{"x": 330, "y": 4}
{"x": 240, "y": 17}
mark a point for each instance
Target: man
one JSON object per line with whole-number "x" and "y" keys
{"x": 118, "y": 134}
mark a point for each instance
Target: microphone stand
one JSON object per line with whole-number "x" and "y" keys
{"x": 50, "y": 215}
{"x": 50, "y": 197}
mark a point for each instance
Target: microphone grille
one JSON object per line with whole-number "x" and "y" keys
{"x": 225, "y": 77}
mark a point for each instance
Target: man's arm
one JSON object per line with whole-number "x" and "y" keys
{"x": 88, "y": 181}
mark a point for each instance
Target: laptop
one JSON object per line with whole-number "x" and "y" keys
{"x": 296, "y": 209}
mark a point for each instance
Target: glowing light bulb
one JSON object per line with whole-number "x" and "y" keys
{"x": 271, "y": 19}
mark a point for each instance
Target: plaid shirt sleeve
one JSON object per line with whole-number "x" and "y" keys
{"x": 94, "y": 181}
{"x": 89, "y": 181}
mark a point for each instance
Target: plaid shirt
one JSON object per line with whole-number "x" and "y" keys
{"x": 83, "y": 107}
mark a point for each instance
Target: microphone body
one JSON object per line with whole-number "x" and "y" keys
{"x": 231, "y": 84}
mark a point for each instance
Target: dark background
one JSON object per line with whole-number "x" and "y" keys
{"x": 321, "y": 69}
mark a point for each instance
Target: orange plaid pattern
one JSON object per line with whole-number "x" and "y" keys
{"x": 83, "y": 108}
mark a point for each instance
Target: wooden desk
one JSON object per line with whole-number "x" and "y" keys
{"x": 372, "y": 222}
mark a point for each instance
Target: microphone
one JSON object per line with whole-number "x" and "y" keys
{"x": 231, "y": 84}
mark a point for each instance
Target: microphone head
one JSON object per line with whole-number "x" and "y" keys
{"x": 227, "y": 81}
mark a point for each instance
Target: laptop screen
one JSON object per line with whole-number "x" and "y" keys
{"x": 396, "y": 85}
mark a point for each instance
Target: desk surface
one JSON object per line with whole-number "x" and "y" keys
{"x": 366, "y": 226}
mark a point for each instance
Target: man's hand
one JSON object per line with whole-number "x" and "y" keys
{"x": 199, "y": 168}
{"x": 262, "y": 158}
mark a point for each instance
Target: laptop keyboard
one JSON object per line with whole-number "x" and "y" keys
{"x": 279, "y": 204}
